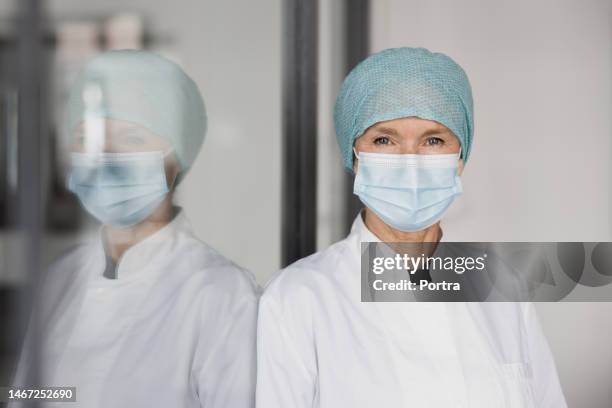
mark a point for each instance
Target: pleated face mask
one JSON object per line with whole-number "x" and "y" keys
{"x": 120, "y": 189}
{"x": 409, "y": 192}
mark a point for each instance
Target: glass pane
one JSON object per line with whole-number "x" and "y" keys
{"x": 160, "y": 130}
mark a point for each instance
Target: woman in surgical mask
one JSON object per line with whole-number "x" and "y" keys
{"x": 145, "y": 314}
{"x": 404, "y": 125}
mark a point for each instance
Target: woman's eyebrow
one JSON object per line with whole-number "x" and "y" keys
{"x": 435, "y": 131}
{"x": 386, "y": 130}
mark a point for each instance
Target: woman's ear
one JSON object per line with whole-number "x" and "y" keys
{"x": 172, "y": 171}
{"x": 460, "y": 167}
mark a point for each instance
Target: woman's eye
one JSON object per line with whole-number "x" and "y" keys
{"x": 434, "y": 141}
{"x": 381, "y": 140}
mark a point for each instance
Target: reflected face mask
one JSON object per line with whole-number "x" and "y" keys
{"x": 409, "y": 192}
{"x": 120, "y": 189}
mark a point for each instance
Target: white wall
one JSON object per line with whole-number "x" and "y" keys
{"x": 541, "y": 168}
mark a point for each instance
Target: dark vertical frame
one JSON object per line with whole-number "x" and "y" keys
{"x": 357, "y": 47}
{"x": 299, "y": 181}
{"x": 30, "y": 162}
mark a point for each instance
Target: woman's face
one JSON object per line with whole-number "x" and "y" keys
{"x": 120, "y": 136}
{"x": 410, "y": 135}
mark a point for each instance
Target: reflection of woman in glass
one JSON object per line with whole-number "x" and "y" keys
{"x": 404, "y": 126}
{"x": 146, "y": 315}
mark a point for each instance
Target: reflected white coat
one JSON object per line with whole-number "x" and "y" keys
{"x": 176, "y": 329}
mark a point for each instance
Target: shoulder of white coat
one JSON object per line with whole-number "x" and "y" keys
{"x": 64, "y": 273}
{"x": 309, "y": 275}
{"x": 69, "y": 261}
{"x": 220, "y": 272}
{"x": 80, "y": 250}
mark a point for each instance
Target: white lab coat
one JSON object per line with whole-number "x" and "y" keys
{"x": 319, "y": 346}
{"x": 176, "y": 329}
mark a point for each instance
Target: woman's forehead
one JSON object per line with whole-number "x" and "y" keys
{"x": 410, "y": 127}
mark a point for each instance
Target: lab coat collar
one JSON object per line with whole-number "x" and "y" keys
{"x": 361, "y": 230}
{"x": 360, "y": 233}
{"x": 363, "y": 234}
{"x": 148, "y": 253}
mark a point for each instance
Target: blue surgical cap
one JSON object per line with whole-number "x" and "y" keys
{"x": 146, "y": 89}
{"x": 402, "y": 82}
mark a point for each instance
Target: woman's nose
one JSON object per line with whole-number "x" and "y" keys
{"x": 409, "y": 148}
